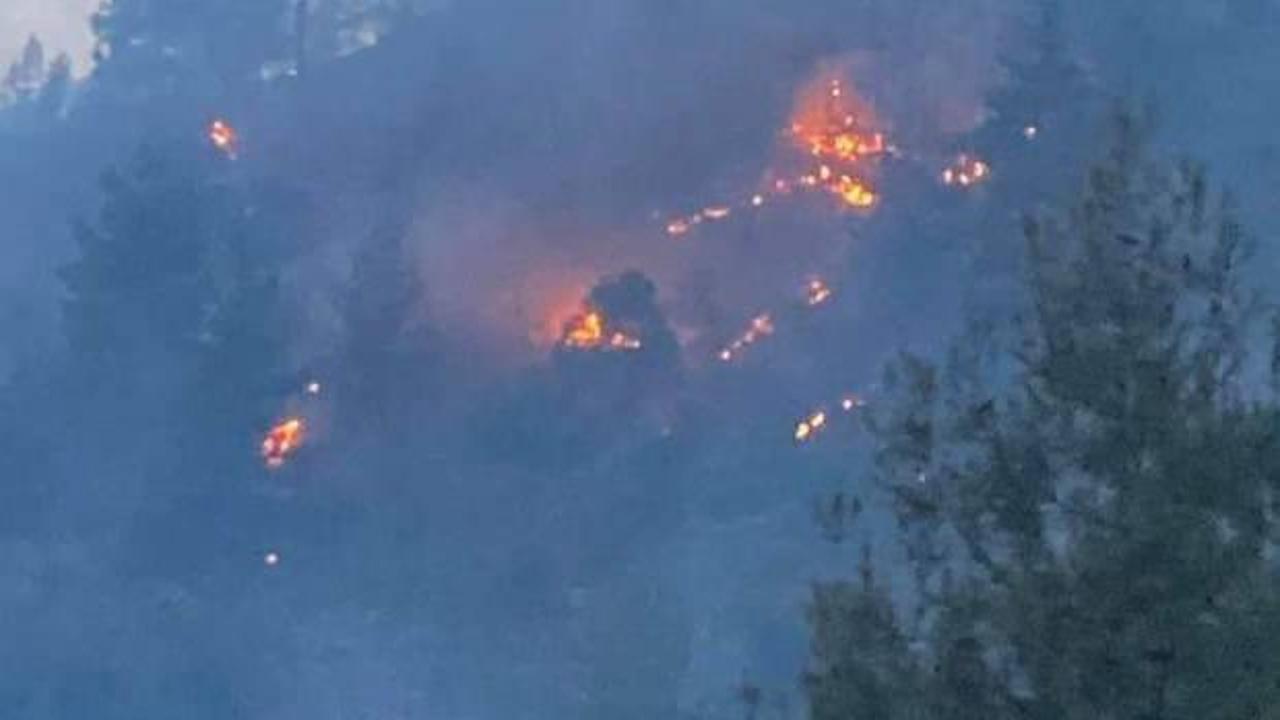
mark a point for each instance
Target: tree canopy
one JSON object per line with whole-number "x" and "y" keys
{"x": 1085, "y": 493}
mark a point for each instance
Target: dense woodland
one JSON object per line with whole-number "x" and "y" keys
{"x": 1055, "y": 497}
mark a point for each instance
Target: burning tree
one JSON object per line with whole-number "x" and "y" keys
{"x": 833, "y": 133}
{"x": 621, "y": 314}
{"x": 1089, "y": 510}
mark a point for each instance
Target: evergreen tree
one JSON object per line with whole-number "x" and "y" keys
{"x": 1043, "y": 119}
{"x": 27, "y": 75}
{"x": 140, "y": 295}
{"x": 388, "y": 357}
{"x": 225, "y": 43}
{"x": 1087, "y": 495}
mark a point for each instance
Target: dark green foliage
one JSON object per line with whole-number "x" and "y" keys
{"x": 388, "y": 358}
{"x": 1086, "y": 494}
{"x": 224, "y": 42}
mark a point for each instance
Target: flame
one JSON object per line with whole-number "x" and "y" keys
{"x": 589, "y": 330}
{"x": 761, "y": 326}
{"x": 817, "y": 292}
{"x": 830, "y": 129}
{"x": 966, "y": 171}
{"x": 313, "y": 388}
{"x": 807, "y": 428}
{"x": 283, "y": 440}
{"x": 224, "y": 137}
{"x": 1030, "y": 132}
{"x": 853, "y": 192}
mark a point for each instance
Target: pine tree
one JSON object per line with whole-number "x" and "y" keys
{"x": 1042, "y": 120}
{"x": 27, "y": 75}
{"x": 1087, "y": 494}
{"x": 388, "y": 357}
{"x": 226, "y": 43}
{"x": 139, "y": 295}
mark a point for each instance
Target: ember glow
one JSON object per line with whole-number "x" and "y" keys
{"x": 831, "y": 129}
{"x": 224, "y": 137}
{"x": 807, "y": 428}
{"x": 590, "y": 331}
{"x": 761, "y": 326}
{"x": 851, "y": 402}
{"x": 966, "y": 171}
{"x": 283, "y": 440}
{"x": 817, "y": 292}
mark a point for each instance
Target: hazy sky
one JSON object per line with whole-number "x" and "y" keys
{"x": 63, "y": 25}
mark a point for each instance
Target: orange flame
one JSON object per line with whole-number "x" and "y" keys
{"x": 283, "y": 440}
{"x": 807, "y": 428}
{"x": 830, "y": 126}
{"x": 223, "y": 136}
{"x": 588, "y": 331}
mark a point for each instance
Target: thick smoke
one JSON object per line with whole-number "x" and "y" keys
{"x": 484, "y": 519}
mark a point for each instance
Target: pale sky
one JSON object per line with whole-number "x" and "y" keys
{"x": 62, "y": 25}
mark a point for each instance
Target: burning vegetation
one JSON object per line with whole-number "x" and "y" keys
{"x": 966, "y": 171}
{"x": 817, "y": 292}
{"x": 761, "y": 326}
{"x": 590, "y": 330}
{"x": 832, "y": 129}
{"x": 224, "y": 137}
{"x": 807, "y": 428}
{"x": 283, "y": 440}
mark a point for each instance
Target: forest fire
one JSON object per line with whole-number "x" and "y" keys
{"x": 761, "y": 326}
{"x": 966, "y": 171}
{"x": 590, "y": 331}
{"x": 224, "y": 137}
{"x": 829, "y": 127}
{"x": 283, "y": 440}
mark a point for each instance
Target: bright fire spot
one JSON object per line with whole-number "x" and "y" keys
{"x": 271, "y": 559}
{"x": 852, "y": 402}
{"x": 834, "y": 130}
{"x": 853, "y": 192}
{"x": 761, "y": 326}
{"x": 223, "y": 137}
{"x": 966, "y": 171}
{"x": 1030, "y": 132}
{"x": 590, "y": 330}
{"x": 806, "y": 428}
{"x": 282, "y": 441}
{"x": 817, "y": 292}
{"x": 313, "y": 388}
